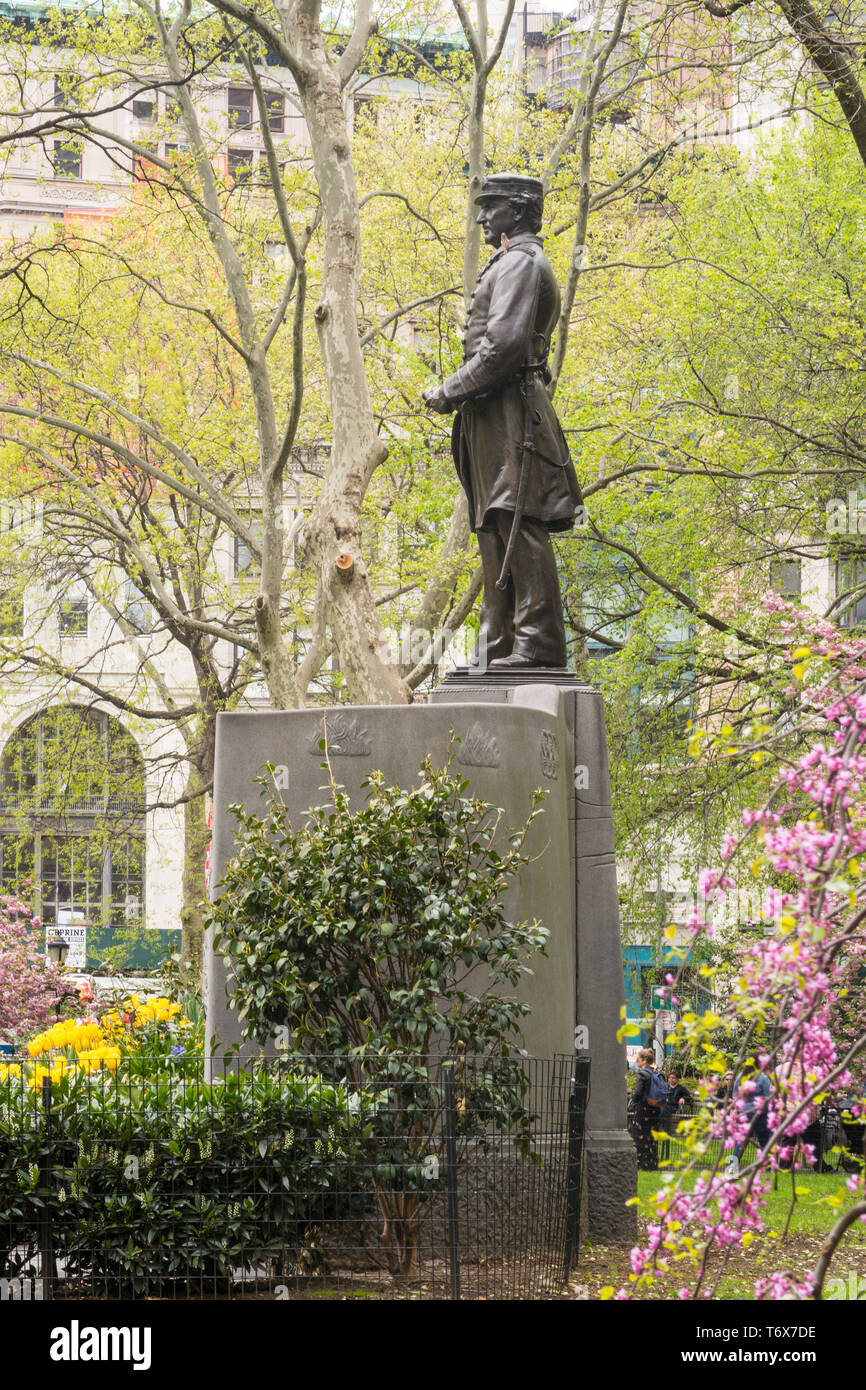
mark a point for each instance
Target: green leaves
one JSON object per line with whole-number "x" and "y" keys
{"x": 226, "y": 1176}
{"x": 372, "y": 919}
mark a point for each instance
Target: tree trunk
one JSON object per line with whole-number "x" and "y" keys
{"x": 196, "y": 836}
{"x": 334, "y": 529}
{"x": 472, "y": 239}
{"x": 278, "y": 668}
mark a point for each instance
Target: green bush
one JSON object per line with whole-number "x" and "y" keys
{"x": 358, "y": 931}
{"x": 379, "y": 937}
{"x": 161, "y": 1178}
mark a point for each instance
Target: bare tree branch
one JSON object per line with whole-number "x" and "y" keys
{"x": 365, "y": 26}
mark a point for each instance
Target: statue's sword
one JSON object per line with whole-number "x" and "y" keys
{"x": 527, "y": 388}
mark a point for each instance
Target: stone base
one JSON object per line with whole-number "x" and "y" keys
{"x": 396, "y": 740}
{"x": 611, "y": 1180}
{"x": 509, "y": 732}
{"x": 463, "y": 677}
{"x": 611, "y": 1161}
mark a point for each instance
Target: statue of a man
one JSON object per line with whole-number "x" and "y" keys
{"x": 511, "y": 455}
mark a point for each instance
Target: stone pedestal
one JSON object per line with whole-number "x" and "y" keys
{"x": 506, "y": 753}
{"x": 599, "y": 994}
{"x": 515, "y": 733}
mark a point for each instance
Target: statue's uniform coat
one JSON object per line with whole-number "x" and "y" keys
{"x": 512, "y": 313}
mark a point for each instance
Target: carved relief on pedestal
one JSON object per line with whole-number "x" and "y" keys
{"x": 549, "y": 754}
{"x": 345, "y": 737}
{"x": 479, "y": 748}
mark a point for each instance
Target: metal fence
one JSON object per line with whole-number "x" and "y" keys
{"x": 837, "y": 1145}
{"x": 297, "y": 1178}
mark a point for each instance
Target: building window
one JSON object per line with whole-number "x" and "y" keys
{"x": 66, "y": 91}
{"x": 11, "y": 613}
{"x": 72, "y": 611}
{"x": 176, "y": 151}
{"x": 172, "y": 110}
{"x": 127, "y": 881}
{"x": 240, "y": 108}
{"x": 71, "y": 761}
{"x": 71, "y": 878}
{"x": 275, "y": 103}
{"x": 786, "y": 577}
{"x": 66, "y": 159}
{"x": 142, "y": 167}
{"x": 72, "y": 818}
{"x": 243, "y": 557}
{"x": 144, "y": 107}
{"x": 240, "y": 165}
{"x": 138, "y": 611}
{"x": 246, "y": 562}
{"x": 850, "y": 610}
{"x": 18, "y": 863}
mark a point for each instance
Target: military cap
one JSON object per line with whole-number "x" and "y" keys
{"x": 510, "y": 186}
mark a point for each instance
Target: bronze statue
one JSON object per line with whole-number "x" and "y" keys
{"x": 509, "y": 450}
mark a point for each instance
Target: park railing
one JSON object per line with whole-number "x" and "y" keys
{"x": 835, "y": 1144}
{"x": 295, "y": 1177}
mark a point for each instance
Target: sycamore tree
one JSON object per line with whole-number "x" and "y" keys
{"x": 315, "y": 206}
{"x": 265, "y": 331}
{"x": 143, "y": 361}
{"x": 134, "y": 416}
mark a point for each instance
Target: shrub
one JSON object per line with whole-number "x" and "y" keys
{"x": 379, "y": 936}
{"x": 154, "y": 1179}
{"x": 359, "y": 931}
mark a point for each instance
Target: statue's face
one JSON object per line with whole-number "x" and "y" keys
{"x": 496, "y": 215}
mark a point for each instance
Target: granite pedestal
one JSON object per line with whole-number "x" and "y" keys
{"x": 514, "y": 734}
{"x": 599, "y": 987}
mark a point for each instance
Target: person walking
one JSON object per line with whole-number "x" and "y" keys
{"x": 754, "y": 1087}
{"x": 650, "y": 1097}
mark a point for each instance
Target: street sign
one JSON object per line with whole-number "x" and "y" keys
{"x": 72, "y": 927}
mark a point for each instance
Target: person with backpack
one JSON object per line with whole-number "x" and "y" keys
{"x": 753, "y": 1084}
{"x": 650, "y": 1096}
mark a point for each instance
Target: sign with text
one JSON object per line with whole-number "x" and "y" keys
{"x": 72, "y": 927}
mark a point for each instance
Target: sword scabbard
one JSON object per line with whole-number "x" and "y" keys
{"x": 523, "y": 481}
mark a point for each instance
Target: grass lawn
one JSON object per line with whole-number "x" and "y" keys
{"x": 796, "y": 1227}
{"x": 804, "y": 1195}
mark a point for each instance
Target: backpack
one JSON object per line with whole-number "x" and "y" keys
{"x": 659, "y": 1090}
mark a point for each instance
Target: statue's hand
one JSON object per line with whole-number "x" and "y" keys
{"x": 435, "y": 399}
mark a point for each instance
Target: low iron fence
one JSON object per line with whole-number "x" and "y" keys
{"x": 302, "y": 1177}
{"x": 836, "y": 1145}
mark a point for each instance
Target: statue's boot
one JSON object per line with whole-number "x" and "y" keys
{"x": 499, "y": 645}
{"x": 516, "y": 662}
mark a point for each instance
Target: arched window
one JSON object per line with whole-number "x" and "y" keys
{"x": 72, "y": 818}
